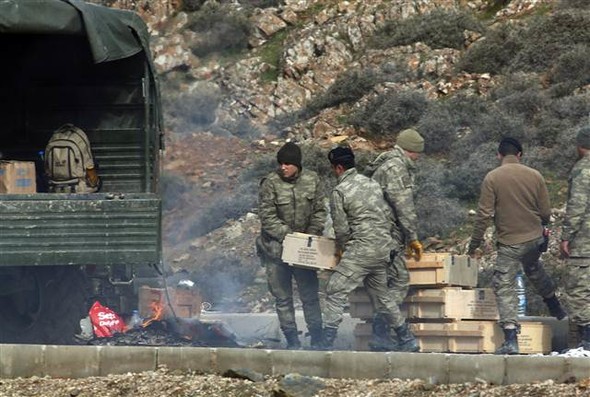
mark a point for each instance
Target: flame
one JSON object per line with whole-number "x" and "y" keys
{"x": 158, "y": 313}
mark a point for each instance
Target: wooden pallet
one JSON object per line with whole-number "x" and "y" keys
{"x": 467, "y": 337}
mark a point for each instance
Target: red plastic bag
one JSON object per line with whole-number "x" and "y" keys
{"x": 105, "y": 322}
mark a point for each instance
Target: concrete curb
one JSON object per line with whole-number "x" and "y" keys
{"x": 86, "y": 361}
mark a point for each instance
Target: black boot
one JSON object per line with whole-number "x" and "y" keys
{"x": 555, "y": 309}
{"x": 315, "y": 335}
{"x": 292, "y": 337}
{"x": 328, "y": 337}
{"x": 584, "y": 332}
{"x": 406, "y": 340}
{"x": 381, "y": 339}
{"x": 510, "y": 345}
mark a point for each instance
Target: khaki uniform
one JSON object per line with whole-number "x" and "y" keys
{"x": 395, "y": 173}
{"x": 363, "y": 225}
{"x": 516, "y": 198}
{"x": 286, "y": 206}
{"x": 576, "y": 230}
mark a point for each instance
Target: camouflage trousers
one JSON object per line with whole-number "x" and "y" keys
{"x": 398, "y": 277}
{"x": 280, "y": 283}
{"x": 510, "y": 259}
{"x": 347, "y": 276}
{"x": 577, "y": 290}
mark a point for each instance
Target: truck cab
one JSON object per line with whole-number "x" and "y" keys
{"x": 68, "y": 61}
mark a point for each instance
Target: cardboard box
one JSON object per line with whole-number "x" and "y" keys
{"x": 453, "y": 303}
{"x": 306, "y": 250}
{"x": 17, "y": 177}
{"x": 467, "y": 337}
{"x": 443, "y": 269}
{"x": 186, "y": 303}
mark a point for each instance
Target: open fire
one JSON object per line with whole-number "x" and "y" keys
{"x": 163, "y": 328}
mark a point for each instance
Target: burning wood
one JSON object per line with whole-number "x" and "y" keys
{"x": 158, "y": 313}
{"x": 163, "y": 329}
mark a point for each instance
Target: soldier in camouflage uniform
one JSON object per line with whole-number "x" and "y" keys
{"x": 363, "y": 225}
{"x": 516, "y": 198}
{"x": 394, "y": 171}
{"x": 575, "y": 240}
{"x": 291, "y": 200}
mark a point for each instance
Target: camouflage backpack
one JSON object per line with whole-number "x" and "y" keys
{"x": 68, "y": 160}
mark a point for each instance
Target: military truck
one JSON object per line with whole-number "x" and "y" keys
{"x": 68, "y": 61}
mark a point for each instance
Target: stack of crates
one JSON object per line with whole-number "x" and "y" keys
{"x": 447, "y": 312}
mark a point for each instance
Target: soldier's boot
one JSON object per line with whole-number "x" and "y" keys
{"x": 406, "y": 340}
{"x": 381, "y": 340}
{"x": 328, "y": 338}
{"x": 584, "y": 332}
{"x": 315, "y": 335}
{"x": 555, "y": 308}
{"x": 510, "y": 345}
{"x": 292, "y": 337}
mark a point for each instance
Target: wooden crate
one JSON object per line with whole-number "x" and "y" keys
{"x": 466, "y": 337}
{"x": 443, "y": 269}
{"x": 452, "y": 303}
{"x": 360, "y": 305}
{"x": 186, "y": 303}
{"x": 309, "y": 251}
{"x": 448, "y": 303}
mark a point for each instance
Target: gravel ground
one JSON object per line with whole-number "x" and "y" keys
{"x": 177, "y": 384}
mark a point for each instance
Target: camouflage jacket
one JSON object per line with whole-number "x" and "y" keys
{"x": 394, "y": 171}
{"x": 361, "y": 217}
{"x": 289, "y": 206}
{"x": 576, "y": 226}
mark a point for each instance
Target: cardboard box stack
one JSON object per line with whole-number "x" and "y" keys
{"x": 446, "y": 311}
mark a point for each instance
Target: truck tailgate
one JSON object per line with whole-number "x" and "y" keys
{"x": 80, "y": 229}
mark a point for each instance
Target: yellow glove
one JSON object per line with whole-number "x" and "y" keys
{"x": 415, "y": 249}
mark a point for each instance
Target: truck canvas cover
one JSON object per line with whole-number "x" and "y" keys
{"x": 68, "y": 61}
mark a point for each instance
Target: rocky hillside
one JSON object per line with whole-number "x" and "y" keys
{"x": 240, "y": 77}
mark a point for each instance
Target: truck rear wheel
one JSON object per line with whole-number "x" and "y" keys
{"x": 48, "y": 310}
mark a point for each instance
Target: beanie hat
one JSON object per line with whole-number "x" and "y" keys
{"x": 583, "y": 137}
{"x": 506, "y": 142}
{"x": 411, "y": 141}
{"x": 289, "y": 153}
{"x": 342, "y": 156}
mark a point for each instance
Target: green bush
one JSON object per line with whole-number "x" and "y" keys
{"x": 547, "y": 38}
{"x": 242, "y": 128}
{"x": 493, "y": 53}
{"x": 391, "y": 112}
{"x": 348, "y": 88}
{"x": 221, "y": 29}
{"x": 575, "y": 4}
{"x": 439, "y": 28}
{"x": 530, "y": 47}
{"x": 573, "y": 67}
{"x": 192, "y": 5}
{"x": 463, "y": 179}
{"x": 439, "y": 127}
{"x": 438, "y": 215}
{"x": 519, "y": 94}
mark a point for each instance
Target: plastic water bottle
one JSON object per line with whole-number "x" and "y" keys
{"x": 521, "y": 293}
{"x": 135, "y": 320}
